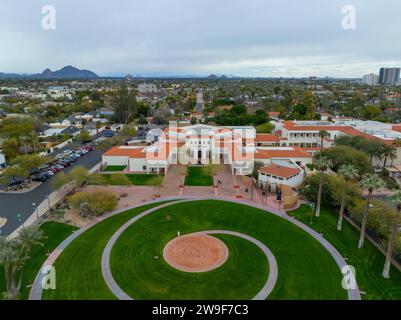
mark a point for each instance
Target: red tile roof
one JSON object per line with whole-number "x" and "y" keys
{"x": 268, "y": 137}
{"x": 280, "y": 171}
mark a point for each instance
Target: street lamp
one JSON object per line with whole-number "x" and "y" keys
{"x": 37, "y": 210}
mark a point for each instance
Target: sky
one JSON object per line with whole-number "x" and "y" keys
{"x": 249, "y": 38}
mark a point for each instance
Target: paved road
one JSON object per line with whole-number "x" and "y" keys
{"x": 13, "y": 204}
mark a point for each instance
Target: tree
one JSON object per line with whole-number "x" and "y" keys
{"x": 322, "y": 164}
{"x": 98, "y": 126}
{"x": 124, "y": 105}
{"x": 29, "y": 162}
{"x": 370, "y": 182}
{"x": 96, "y": 203}
{"x": 343, "y": 155}
{"x": 77, "y": 177}
{"x": 396, "y": 199}
{"x": 257, "y": 165}
{"x": 13, "y": 254}
{"x": 348, "y": 172}
{"x": 322, "y": 134}
{"x": 388, "y": 152}
{"x": 10, "y": 148}
{"x": 310, "y": 104}
{"x": 84, "y": 136}
{"x": 12, "y": 172}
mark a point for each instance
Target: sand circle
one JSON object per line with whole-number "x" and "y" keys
{"x": 195, "y": 253}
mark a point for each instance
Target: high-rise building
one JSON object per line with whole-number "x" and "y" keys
{"x": 389, "y": 76}
{"x": 370, "y": 79}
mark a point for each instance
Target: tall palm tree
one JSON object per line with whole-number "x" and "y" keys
{"x": 13, "y": 254}
{"x": 27, "y": 238}
{"x": 10, "y": 259}
{"x": 322, "y": 164}
{"x": 322, "y": 134}
{"x": 388, "y": 152}
{"x": 348, "y": 172}
{"x": 257, "y": 165}
{"x": 370, "y": 182}
{"x": 396, "y": 199}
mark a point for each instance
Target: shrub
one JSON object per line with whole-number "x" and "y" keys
{"x": 332, "y": 190}
{"x": 97, "y": 179}
{"x": 380, "y": 217}
{"x": 119, "y": 180}
{"x": 96, "y": 203}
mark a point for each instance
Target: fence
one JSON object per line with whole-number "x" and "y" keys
{"x": 47, "y": 204}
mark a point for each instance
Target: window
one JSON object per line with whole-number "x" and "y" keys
{"x": 144, "y": 167}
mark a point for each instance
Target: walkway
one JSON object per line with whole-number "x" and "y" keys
{"x": 353, "y": 294}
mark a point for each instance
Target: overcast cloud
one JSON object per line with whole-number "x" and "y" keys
{"x": 198, "y": 37}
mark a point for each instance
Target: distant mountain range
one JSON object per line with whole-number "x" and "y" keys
{"x": 214, "y": 77}
{"x": 68, "y": 72}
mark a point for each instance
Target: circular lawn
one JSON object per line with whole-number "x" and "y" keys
{"x": 306, "y": 270}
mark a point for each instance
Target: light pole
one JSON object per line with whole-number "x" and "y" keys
{"x": 37, "y": 210}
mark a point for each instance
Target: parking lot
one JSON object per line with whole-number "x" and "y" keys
{"x": 17, "y": 207}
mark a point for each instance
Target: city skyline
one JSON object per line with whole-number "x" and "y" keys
{"x": 273, "y": 39}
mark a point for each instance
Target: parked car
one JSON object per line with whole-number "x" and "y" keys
{"x": 15, "y": 182}
{"x": 59, "y": 166}
{"x": 47, "y": 174}
{"x": 39, "y": 177}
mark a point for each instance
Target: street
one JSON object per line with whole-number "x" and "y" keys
{"x": 12, "y": 205}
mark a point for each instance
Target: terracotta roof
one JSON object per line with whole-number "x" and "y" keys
{"x": 280, "y": 171}
{"x": 124, "y": 152}
{"x": 280, "y": 153}
{"x": 274, "y": 113}
{"x": 268, "y": 137}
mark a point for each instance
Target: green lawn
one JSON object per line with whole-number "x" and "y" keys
{"x": 199, "y": 176}
{"x": 140, "y": 179}
{"x": 79, "y": 275}
{"x": 114, "y": 168}
{"x": 139, "y": 273}
{"x": 306, "y": 269}
{"x": 55, "y": 233}
{"x": 368, "y": 261}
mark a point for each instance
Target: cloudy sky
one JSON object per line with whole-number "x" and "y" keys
{"x": 289, "y": 38}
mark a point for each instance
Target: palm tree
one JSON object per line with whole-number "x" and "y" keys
{"x": 13, "y": 254}
{"x": 388, "y": 152}
{"x": 10, "y": 259}
{"x": 370, "y": 182}
{"x": 348, "y": 172}
{"x": 322, "y": 134}
{"x": 395, "y": 198}
{"x": 322, "y": 164}
{"x": 257, "y": 165}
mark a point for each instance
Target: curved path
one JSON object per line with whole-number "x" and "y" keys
{"x": 121, "y": 295}
{"x": 353, "y": 294}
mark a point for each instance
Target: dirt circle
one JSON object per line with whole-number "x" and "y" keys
{"x": 195, "y": 253}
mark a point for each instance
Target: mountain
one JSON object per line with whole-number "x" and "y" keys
{"x": 212, "y": 77}
{"x": 216, "y": 77}
{"x": 68, "y": 72}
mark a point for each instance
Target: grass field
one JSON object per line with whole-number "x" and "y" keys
{"x": 114, "y": 168}
{"x": 139, "y": 179}
{"x": 55, "y": 233}
{"x": 139, "y": 274}
{"x": 79, "y": 275}
{"x": 306, "y": 269}
{"x": 368, "y": 261}
{"x": 199, "y": 176}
